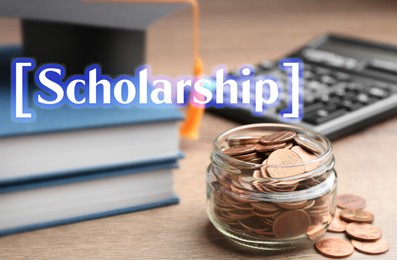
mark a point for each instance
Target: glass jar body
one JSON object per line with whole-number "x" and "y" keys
{"x": 269, "y": 213}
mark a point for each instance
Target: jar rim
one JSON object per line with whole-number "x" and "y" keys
{"x": 321, "y": 157}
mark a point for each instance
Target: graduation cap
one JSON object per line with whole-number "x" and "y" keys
{"x": 77, "y": 33}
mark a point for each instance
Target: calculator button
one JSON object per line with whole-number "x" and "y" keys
{"x": 342, "y": 76}
{"x": 363, "y": 98}
{"x": 323, "y": 115}
{"x": 335, "y": 101}
{"x": 326, "y": 79}
{"x": 325, "y": 98}
{"x": 307, "y": 66}
{"x": 307, "y": 74}
{"x": 340, "y": 92}
{"x": 378, "y": 92}
{"x": 350, "y": 105}
{"x": 322, "y": 71}
{"x": 309, "y": 97}
{"x": 355, "y": 86}
{"x": 313, "y": 107}
{"x": 315, "y": 85}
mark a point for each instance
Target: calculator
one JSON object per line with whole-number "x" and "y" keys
{"x": 349, "y": 84}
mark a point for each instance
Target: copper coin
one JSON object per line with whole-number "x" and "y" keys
{"x": 243, "y": 140}
{"x": 363, "y": 231}
{"x": 289, "y": 145}
{"x": 334, "y": 247}
{"x": 238, "y": 214}
{"x": 246, "y": 157}
{"x": 258, "y": 160}
{"x": 360, "y": 216}
{"x": 379, "y": 246}
{"x": 315, "y": 231}
{"x": 257, "y": 174}
{"x": 292, "y": 205}
{"x": 278, "y": 137}
{"x": 261, "y": 148}
{"x": 265, "y": 215}
{"x": 284, "y": 157}
{"x": 309, "y": 204}
{"x": 252, "y": 223}
{"x": 337, "y": 225}
{"x": 350, "y": 201}
{"x": 263, "y": 170}
{"x": 306, "y": 157}
{"x": 241, "y": 149}
{"x": 308, "y": 143}
{"x": 291, "y": 223}
{"x": 264, "y": 206}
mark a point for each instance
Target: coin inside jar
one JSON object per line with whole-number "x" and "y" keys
{"x": 243, "y": 140}
{"x": 291, "y": 223}
{"x": 278, "y": 137}
{"x": 284, "y": 157}
{"x": 307, "y": 143}
{"x": 241, "y": 149}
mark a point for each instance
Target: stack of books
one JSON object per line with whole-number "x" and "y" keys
{"x": 71, "y": 164}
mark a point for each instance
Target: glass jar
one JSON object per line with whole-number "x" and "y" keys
{"x": 271, "y": 213}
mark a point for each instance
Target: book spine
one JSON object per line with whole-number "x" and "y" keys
{"x": 170, "y": 201}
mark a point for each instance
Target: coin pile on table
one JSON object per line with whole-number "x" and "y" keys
{"x": 356, "y": 223}
{"x": 234, "y": 199}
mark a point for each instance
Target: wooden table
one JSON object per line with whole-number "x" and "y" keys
{"x": 233, "y": 32}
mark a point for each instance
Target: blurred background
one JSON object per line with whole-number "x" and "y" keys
{"x": 234, "y": 32}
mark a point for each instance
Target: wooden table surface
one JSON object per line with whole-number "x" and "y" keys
{"x": 233, "y": 32}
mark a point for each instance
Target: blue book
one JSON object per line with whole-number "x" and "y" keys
{"x": 66, "y": 141}
{"x": 48, "y": 203}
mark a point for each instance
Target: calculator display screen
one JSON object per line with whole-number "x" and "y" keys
{"x": 358, "y": 51}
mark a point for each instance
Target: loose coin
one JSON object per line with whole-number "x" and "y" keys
{"x": 291, "y": 223}
{"x": 350, "y": 201}
{"x": 360, "y": 216}
{"x": 284, "y": 157}
{"x": 363, "y": 231}
{"x": 334, "y": 247}
{"x": 337, "y": 225}
{"x": 241, "y": 149}
{"x": 278, "y": 137}
{"x": 379, "y": 246}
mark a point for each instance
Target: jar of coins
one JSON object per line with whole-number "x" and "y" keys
{"x": 271, "y": 186}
